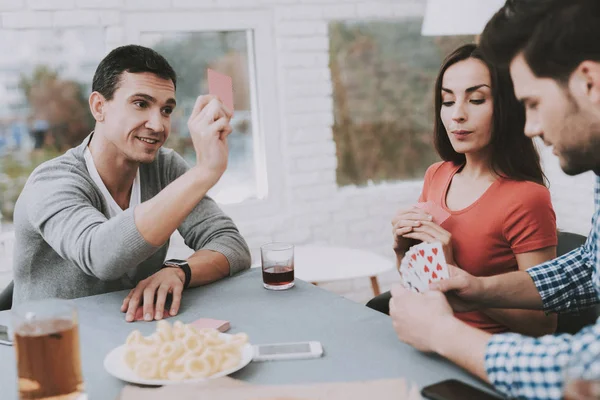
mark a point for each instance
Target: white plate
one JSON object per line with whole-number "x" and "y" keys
{"x": 115, "y": 365}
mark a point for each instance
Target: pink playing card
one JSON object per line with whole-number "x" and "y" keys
{"x": 438, "y": 213}
{"x": 220, "y": 325}
{"x": 221, "y": 86}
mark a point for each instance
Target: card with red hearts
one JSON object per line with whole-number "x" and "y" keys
{"x": 422, "y": 265}
{"x": 408, "y": 276}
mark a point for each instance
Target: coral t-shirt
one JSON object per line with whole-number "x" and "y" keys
{"x": 510, "y": 217}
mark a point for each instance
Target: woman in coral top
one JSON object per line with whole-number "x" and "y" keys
{"x": 490, "y": 182}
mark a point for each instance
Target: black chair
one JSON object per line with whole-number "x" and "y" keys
{"x": 6, "y": 297}
{"x": 567, "y": 322}
{"x": 381, "y": 303}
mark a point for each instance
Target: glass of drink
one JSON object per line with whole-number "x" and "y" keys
{"x": 582, "y": 377}
{"x": 46, "y": 339}
{"x": 277, "y": 265}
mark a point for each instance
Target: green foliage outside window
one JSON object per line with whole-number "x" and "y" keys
{"x": 383, "y": 76}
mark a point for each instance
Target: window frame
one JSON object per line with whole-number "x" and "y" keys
{"x": 263, "y": 90}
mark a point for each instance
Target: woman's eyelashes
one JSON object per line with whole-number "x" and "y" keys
{"x": 450, "y": 103}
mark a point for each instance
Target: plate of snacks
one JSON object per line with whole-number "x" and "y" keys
{"x": 178, "y": 353}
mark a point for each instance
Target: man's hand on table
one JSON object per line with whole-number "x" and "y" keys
{"x": 155, "y": 287}
{"x": 418, "y": 318}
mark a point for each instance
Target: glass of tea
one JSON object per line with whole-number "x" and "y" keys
{"x": 277, "y": 265}
{"x": 46, "y": 339}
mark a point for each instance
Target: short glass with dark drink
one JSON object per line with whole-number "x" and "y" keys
{"x": 277, "y": 265}
{"x": 46, "y": 339}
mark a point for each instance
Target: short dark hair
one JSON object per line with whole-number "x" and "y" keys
{"x": 555, "y": 36}
{"x": 131, "y": 58}
{"x": 513, "y": 155}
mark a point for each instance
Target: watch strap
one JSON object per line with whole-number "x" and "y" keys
{"x": 185, "y": 267}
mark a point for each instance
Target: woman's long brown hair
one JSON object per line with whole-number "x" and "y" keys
{"x": 513, "y": 155}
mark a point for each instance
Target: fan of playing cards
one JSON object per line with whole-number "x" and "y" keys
{"x": 423, "y": 264}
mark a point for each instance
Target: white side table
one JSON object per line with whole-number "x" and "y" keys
{"x": 325, "y": 264}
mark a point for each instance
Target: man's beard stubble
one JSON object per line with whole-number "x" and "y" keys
{"x": 584, "y": 130}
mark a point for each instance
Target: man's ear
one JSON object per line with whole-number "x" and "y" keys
{"x": 587, "y": 76}
{"x": 97, "y": 105}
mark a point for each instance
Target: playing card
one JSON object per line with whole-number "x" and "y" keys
{"x": 412, "y": 281}
{"x": 220, "y": 325}
{"x": 221, "y": 86}
{"x": 439, "y": 261}
{"x": 430, "y": 263}
{"x": 406, "y": 275}
{"x": 438, "y": 213}
{"x": 408, "y": 271}
{"x": 417, "y": 263}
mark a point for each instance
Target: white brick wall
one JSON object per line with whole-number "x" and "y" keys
{"x": 10, "y": 5}
{"x": 314, "y": 208}
{"x": 51, "y": 4}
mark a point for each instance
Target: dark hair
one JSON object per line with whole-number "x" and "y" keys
{"x": 513, "y": 155}
{"x": 509, "y": 30}
{"x": 131, "y": 58}
{"x": 555, "y": 36}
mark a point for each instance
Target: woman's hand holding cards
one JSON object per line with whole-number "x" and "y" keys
{"x": 430, "y": 232}
{"x": 404, "y": 222}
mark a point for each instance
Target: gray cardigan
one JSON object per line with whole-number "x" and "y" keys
{"x": 66, "y": 247}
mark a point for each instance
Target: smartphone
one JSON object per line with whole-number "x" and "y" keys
{"x": 4, "y": 336}
{"x": 453, "y": 389}
{"x": 287, "y": 351}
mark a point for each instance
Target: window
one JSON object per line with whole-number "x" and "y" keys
{"x": 239, "y": 44}
{"x": 383, "y": 75}
{"x": 45, "y": 110}
{"x": 190, "y": 54}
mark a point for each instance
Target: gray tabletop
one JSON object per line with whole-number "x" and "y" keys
{"x": 358, "y": 343}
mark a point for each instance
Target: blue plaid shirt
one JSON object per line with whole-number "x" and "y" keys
{"x": 529, "y": 368}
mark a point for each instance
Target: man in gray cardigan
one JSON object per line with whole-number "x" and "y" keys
{"x": 99, "y": 217}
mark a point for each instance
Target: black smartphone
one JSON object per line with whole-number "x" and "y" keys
{"x": 452, "y": 389}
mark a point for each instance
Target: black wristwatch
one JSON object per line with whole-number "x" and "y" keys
{"x": 184, "y": 266}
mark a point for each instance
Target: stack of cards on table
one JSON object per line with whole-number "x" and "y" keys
{"x": 220, "y": 325}
{"x": 423, "y": 264}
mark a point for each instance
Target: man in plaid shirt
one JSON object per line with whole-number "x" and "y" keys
{"x": 553, "y": 50}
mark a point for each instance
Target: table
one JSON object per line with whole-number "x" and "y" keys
{"x": 325, "y": 264}
{"x": 359, "y": 343}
